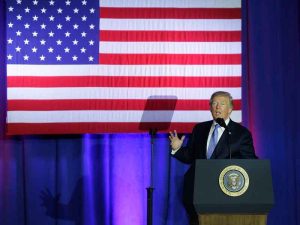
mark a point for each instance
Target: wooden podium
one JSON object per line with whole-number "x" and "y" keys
{"x": 232, "y": 219}
{"x": 233, "y": 192}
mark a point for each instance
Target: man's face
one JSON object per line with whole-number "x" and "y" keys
{"x": 220, "y": 107}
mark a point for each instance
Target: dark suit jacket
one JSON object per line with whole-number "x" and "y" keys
{"x": 240, "y": 142}
{"x": 241, "y": 147}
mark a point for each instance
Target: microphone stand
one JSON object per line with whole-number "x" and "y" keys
{"x": 228, "y": 140}
{"x": 150, "y": 189}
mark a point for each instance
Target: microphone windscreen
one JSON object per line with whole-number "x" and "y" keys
{"x": 221, "y": 122}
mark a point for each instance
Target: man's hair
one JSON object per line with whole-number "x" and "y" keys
{"x": 224, "y": 94}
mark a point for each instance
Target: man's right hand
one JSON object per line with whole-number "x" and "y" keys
{"x": 176, "y": 142}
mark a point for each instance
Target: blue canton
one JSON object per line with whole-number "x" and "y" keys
{"x": 52, "y": 32}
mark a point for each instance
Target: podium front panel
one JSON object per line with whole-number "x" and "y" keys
{"x": 209, "y": 198}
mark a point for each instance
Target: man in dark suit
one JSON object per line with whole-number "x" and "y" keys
{"x": 210, "y": 140}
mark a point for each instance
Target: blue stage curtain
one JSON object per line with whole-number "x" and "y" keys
{"x": 102, "y": 179}
{"x": 273, "y": 65}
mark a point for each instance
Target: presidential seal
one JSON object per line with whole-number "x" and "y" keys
{"x": 234, "y": 181}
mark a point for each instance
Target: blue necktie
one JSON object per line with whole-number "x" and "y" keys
{"x": 213, "y": 142}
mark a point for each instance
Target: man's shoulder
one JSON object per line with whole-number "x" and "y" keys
{"x": 238, "y": 126}
{"x": 203, "y": 125}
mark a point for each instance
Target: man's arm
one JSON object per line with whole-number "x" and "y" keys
{"x": 187, "y": 154}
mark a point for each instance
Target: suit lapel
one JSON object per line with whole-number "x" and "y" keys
{"x": 221, "y": 150}
{"x": 202, "y": 139}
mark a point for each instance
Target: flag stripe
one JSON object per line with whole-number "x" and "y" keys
{"x": 175, "y": 36}
{"x": 106, "y": 127}
{"x": 175, "y": 13}
{"x": 170, "y": 47}
{"x": 172, "y": 4}
{"x": 171, "y": 24}
{"x": 182, "y": 59}
{"x": 111, "y": 104}
{"x": 107, "y": 81}
{"x": 63, "y": 116}
{"x": 124, "y": 70}
{"x": 116, "y": 93}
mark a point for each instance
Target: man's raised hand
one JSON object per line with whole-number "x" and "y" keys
{"x": 175, "y": 141}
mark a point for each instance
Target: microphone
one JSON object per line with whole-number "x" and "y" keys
{"x": 222, "y": 123}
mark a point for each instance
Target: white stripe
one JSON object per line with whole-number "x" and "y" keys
{"x": 172, "y": 3}
{"x": 171, "y": 24}
{"x": 124, "y": 70}
{"x": 116, "y": 93}
{"x": 170, "y": 47}
{"x": 111, "y": 116}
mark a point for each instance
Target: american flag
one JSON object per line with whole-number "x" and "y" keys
{"x": 114, "y": 66}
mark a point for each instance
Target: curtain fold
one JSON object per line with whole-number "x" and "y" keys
{"x": 89, "y": 179}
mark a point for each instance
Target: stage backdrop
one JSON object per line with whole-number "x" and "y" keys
{"x": 101, "y": 179}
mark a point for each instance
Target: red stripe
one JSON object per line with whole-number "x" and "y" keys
{"x": 81, "y": 128}
{"x": 170, "y": 13}
{"x": 162, "y": 59}
{"x": 111, "y": 104}
{"x": 172, "y": 36}
{"x": 120, "y": 81}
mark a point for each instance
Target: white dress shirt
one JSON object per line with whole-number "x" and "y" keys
{"x": 220, "y": 132}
